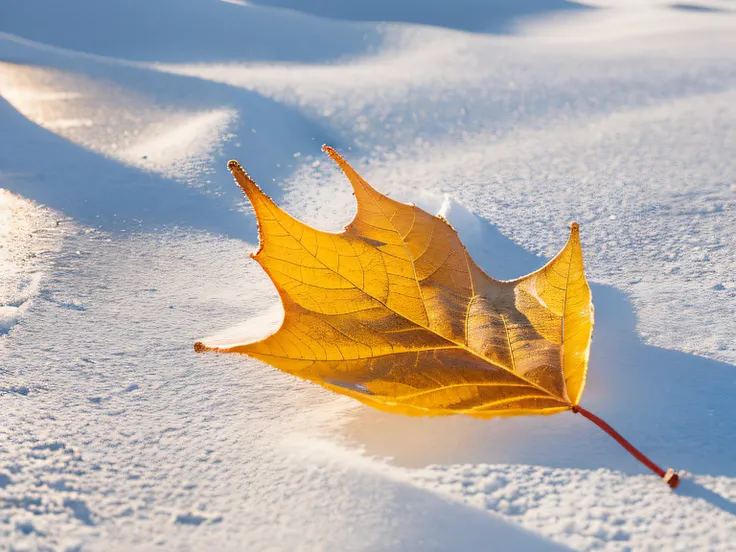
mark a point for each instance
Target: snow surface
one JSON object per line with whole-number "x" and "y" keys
{"x": 123, "y": 240}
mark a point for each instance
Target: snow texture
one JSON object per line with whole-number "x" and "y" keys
{"x": 123, "y": 240}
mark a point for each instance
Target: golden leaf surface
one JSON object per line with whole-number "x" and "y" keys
{"x": 393, "y": 312}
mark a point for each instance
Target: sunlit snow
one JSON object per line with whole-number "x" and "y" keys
{"x": 123, "y": 240}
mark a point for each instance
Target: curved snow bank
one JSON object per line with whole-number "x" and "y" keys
{"x": 200, "y": 30}
{"x": 115, "y": 121}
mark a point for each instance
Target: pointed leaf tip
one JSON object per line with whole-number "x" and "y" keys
{"x": 359, "y": 184}
{"x": 574, "y": 232}
{"x": 349, "y": 171}
{"x": 243, "y": 179}
{"x": 336, "y": 157}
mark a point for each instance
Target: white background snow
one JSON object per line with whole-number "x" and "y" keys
{"x": 123, "y": 240}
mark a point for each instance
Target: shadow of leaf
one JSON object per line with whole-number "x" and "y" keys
{"x": 690, "y": 488}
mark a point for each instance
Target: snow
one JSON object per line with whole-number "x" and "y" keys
{"x": 123, "y": 240}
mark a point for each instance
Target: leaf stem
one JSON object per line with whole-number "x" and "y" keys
{"x": 669, "y": 476}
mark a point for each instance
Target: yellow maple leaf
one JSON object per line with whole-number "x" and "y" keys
{"x": 394, "y": 313}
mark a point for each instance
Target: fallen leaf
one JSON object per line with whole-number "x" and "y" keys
{"x": 394, "y": 313}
